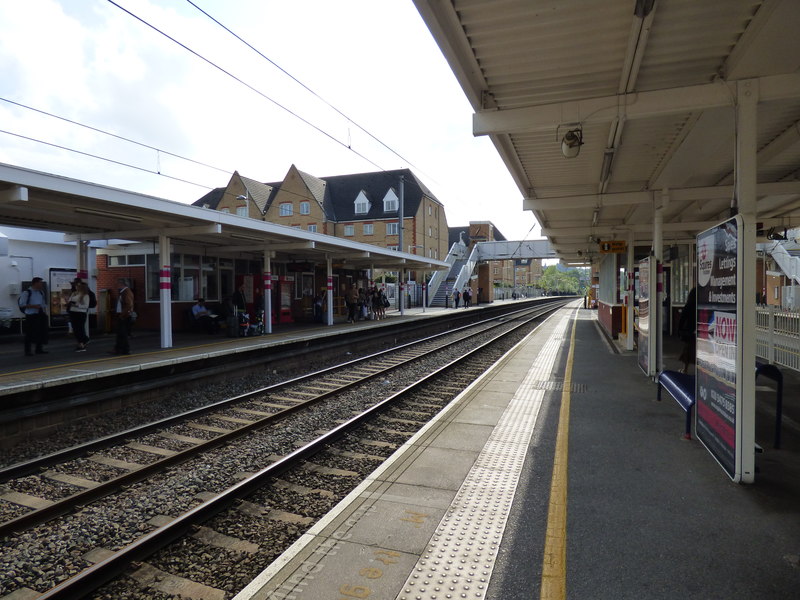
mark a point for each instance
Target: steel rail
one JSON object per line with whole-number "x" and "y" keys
{"x": 100, "y": 573}
{"x": 32, "y": 466}
{"x": 84, "y": 497}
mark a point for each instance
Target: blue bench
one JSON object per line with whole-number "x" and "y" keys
{"x": 681, "y": 387}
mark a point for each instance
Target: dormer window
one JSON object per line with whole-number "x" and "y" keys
{"x": 390, "y": 201}
{"x": 362, "y": 204}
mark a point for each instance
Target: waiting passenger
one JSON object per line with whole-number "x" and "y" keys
{"x": 204, "y": 317}
{"x": 78, "y": 304}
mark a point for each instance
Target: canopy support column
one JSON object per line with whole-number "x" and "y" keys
{"x": 267, "y": 291}
{"x": 745, "y": 177}
{"x": 165, "y": 297}
{"x": 329, "y": 263}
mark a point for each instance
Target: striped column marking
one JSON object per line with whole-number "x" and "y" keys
{"x": 165, "y": 279}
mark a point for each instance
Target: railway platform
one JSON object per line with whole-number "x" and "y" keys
{"x": 61, "y": 365}
{"x": 558, "y": 475}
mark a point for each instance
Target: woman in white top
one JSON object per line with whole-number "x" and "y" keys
{"x": 78, "y": 311}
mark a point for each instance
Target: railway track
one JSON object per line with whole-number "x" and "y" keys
{"x": 251, "y": 415}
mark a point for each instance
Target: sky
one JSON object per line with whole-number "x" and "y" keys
{"x": 372, "y": 66}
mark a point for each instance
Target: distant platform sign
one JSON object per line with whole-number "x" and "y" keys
{"x": 613, "y": 247}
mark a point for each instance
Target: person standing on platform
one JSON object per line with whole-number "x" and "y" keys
{"x": 78, "y": 304}
{"x": 467, "y": 295}
{"x": 239, "y": 300}
{"x": 123, "y": 310}
{"x": 33, "y": 302}
{"x": 456, "y": 298}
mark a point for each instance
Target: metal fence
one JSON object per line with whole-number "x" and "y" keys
{"x": 778, "y": 337}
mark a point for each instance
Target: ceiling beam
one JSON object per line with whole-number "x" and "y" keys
{"x": 142, "y": 234}
{"x": 568, "y": 232}
{"x": 633, "y": 105}
{"x": 778, "y": 188}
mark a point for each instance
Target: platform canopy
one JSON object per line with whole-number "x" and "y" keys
{"x": 87, "y": 211}
{"x": 606, "y": 110}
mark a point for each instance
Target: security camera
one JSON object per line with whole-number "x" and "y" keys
{"x": 571, "y": 143}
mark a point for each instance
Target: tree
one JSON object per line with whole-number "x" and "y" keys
{"x": 562, "y": 281}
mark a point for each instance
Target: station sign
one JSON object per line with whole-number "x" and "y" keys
{"x": 721, "y": 419}
{"x": 613, "y": 247}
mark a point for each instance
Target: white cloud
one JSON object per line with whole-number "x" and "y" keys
{"x": 374, "y": 61}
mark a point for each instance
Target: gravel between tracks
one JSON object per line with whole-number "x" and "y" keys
{"x": 52, "y": 552}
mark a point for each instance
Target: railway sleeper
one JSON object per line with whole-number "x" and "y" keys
{"x": 152, "y": 578}
{"x": 181, "y": 438}
{"x": 355, "y": 455}
{"x": 70, "y": 479}
{"x": 256, "y": 510}
{"x": 115, "y": 462}
{"x": 323, "y": 470}
{"x": 211, "y": 537}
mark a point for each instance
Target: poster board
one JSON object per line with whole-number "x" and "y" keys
{"x": 647, "y": 316}
{"x": 60, "y": 286}
{"x": 719, "y": 414}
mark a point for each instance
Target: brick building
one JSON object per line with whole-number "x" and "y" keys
{"x": 362, "y": 207}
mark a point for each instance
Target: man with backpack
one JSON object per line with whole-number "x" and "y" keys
{"x": 33, "y": 304}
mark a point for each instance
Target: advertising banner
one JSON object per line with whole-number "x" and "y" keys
{"x": 717, "y": 393}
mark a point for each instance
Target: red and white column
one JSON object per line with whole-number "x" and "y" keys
{"x": 165, "y": 288}
{"x": 330, "y": 290}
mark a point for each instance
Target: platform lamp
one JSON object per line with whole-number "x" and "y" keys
{"x": 571, "y": 143}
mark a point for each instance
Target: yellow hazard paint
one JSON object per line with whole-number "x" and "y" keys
{"x": 554, "y": 565}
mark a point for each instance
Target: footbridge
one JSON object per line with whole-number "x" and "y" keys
{"x": 463, "y": 263}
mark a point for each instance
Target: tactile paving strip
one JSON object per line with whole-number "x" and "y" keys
{"x": 460, "y": 557}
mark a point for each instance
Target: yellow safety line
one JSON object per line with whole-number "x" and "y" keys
{"x": 554, "y": 565}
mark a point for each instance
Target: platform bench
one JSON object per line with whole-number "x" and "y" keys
{"x": 681, "y": 387}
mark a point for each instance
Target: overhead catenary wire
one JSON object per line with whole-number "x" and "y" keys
{"x": 244, "y": 83}
{"x": 305, "y": 87}
{"x": 110, "y": 160}
{"x": 114, "y": 135}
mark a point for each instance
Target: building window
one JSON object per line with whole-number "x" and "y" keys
{"x": 349, "y": 230}
{"x": 227, "y": 211}
{"x": 305, "y": 208}
{"x": 390, "y": 201}
{"x": 430, "y": 231}
{"x": 241, "y": 211}
{"x": 125, "y": 260}
{"x": 312, "y": 228}
{"x": 286, "y": 209}
{"x": 430, "y": 210}
{"x": 391, "y": 228}
{"x": 362, "y": 204}
{"x": 395, "y": 248}
{"x": 368, "y": 229}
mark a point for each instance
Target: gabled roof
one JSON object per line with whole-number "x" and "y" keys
{"x": 342, "y": 190}
{"x": 261, "y": 193}
{"x": 211, "y": 199}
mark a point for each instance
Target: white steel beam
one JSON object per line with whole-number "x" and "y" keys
{"x": 139, "y": 234}
{"x": 779, "y": 188}
{"x": 633, "y": 105}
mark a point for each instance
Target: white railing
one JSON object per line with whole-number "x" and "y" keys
{"x": 778, "y": 337}
{"x": 457, "y": 251}
{"x": 466, "y": 270}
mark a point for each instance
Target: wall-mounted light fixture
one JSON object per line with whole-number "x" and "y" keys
{"x": 571, "y": 143}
